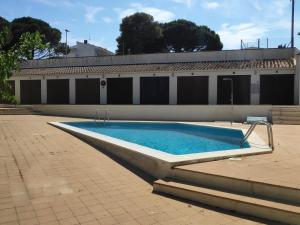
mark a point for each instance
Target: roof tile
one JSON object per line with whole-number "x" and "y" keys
{"x": 198, "y": 66}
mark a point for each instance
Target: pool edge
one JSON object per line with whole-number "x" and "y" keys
{"x": 155, "y": 163}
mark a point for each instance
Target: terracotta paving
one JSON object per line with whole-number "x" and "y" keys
{"x": 50, "y": 177}
{"x": 282, "y": 167}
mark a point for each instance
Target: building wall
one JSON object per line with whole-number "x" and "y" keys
{"x": 229, "y": 55}
{"x": 212, "y": 83}
{"x": 297, "y": 81}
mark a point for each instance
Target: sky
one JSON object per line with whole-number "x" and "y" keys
{"x": 98, "y": 21}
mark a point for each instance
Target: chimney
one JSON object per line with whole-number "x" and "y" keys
{"x": 85, "y": 41}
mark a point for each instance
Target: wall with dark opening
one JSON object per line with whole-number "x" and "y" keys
{"x": 241, "y": 90}
{"x": 192, "y": 90}
{"x": 119, "y": 91}
{"x": 58, "y": 91}
{"x": 88, "y": 91}
{"x": 277, "y": 89}
{"x": 154, "y": 90}
{"x": 30, "y": 91}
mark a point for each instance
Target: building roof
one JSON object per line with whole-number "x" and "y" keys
{"x": 167, "y": 67}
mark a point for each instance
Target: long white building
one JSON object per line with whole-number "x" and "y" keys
{"x": 263, "y": 76}
{"x": 255, "y": 77}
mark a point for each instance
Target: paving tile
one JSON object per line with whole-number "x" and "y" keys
{"x": 69, "y": 221}
{"x": 68, "y": 182}
{"x": 33, "y": 221}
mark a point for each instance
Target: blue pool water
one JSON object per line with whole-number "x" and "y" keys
{"x": 172, "y": 138}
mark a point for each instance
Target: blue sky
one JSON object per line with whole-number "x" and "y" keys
{"x": 98, "y": 20}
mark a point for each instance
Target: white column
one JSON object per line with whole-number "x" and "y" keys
{"x": 297, "y": 81}
{"x": 18, "y": 91}
{"x": 212, "y": 89}
{"x": 136, "y": 90}
{"x": 72, "y": 91}
{"x": 255, "y": 89}
{"x": 44, "y": 91}
{"x": 173, "y": 90}
{"x": 103, "y": 92}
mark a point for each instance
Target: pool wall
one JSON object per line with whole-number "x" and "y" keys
{"x": 156, "y": 163}
{"x": 238, "y": 113}
{"x": 153, "y": 166}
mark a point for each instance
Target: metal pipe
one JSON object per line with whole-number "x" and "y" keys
{"x": 293, "y": 24}
{"x": 66, "y": 50}
{"x": 269, "y": 131}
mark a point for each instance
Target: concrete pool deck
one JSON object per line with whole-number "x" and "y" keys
{"x": 282, "y": 167}
{"x": 48, "y": 176}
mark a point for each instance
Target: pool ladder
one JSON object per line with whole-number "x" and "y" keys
{"x": 269, "y": 129}
{"x": 104, "y": 112}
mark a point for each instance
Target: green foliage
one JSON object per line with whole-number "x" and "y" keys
{"x": 11, "y": 58}
{"x": 209, "y": 40}
{"x": 181, "y": 36}
{"x": 50, "y": 36}
{"x": 4, "y": 24}
{"x": 141, "y": 34}
{"x": 23, "y": 25}
{"x": 61, "y": 49}
{"x": 186, "y": 36}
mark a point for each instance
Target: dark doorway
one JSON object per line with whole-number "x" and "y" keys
{"x": 58, "y": 91}
{"x": 154, "y": 90}
{"x": 30, "y": 91}
{"x": 119, "y": 91}
{"x": 241, "y": 90}
{"x": 192, "y": 90}
{"x": 277, "y": 89}
{"x": 88, "y": 91}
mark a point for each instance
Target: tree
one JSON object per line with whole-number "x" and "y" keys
{"x": 181, "y": 36}
{"x": 209, "y": 40}
{"x": 50, "y": 36}
{"x": 185, "y": 36}
{"x": 11, "y": 58}
{"x": 5, "y": 24}
{"x": 139, "y": 34}
{"x": 60, "y": 49}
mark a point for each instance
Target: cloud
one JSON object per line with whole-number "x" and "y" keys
{"x": 107, "y": 19}
{"x": 188, "y": 3}
{"x": 231, "y": 35}
{"x": 264, "y": 22}
{"x": 91, "y": 13}
{"x": 56, "y": 3}
{"x": 211, "y": 5}
{"x": 159, "y": 15}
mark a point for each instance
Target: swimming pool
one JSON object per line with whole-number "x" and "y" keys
{"x": 172, "y": 138}
{"x": 157, "y": 147}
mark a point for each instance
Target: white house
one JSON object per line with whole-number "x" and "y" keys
{"x": 86, "y": 49}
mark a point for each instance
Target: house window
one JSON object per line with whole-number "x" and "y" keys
{"x": 192, "y": 90}
{"x": 58, "y": 91}
{"x": 30, "y": 91}
{"x": 88, "y": 91}
{"x": 277, "y": 89}
{"x": 154, "y": 90}
{"x": 241, "y": 90}
{"x": 119, "y": 91}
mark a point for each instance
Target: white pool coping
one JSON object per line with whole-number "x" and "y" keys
{"x": 257, "y": 146}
